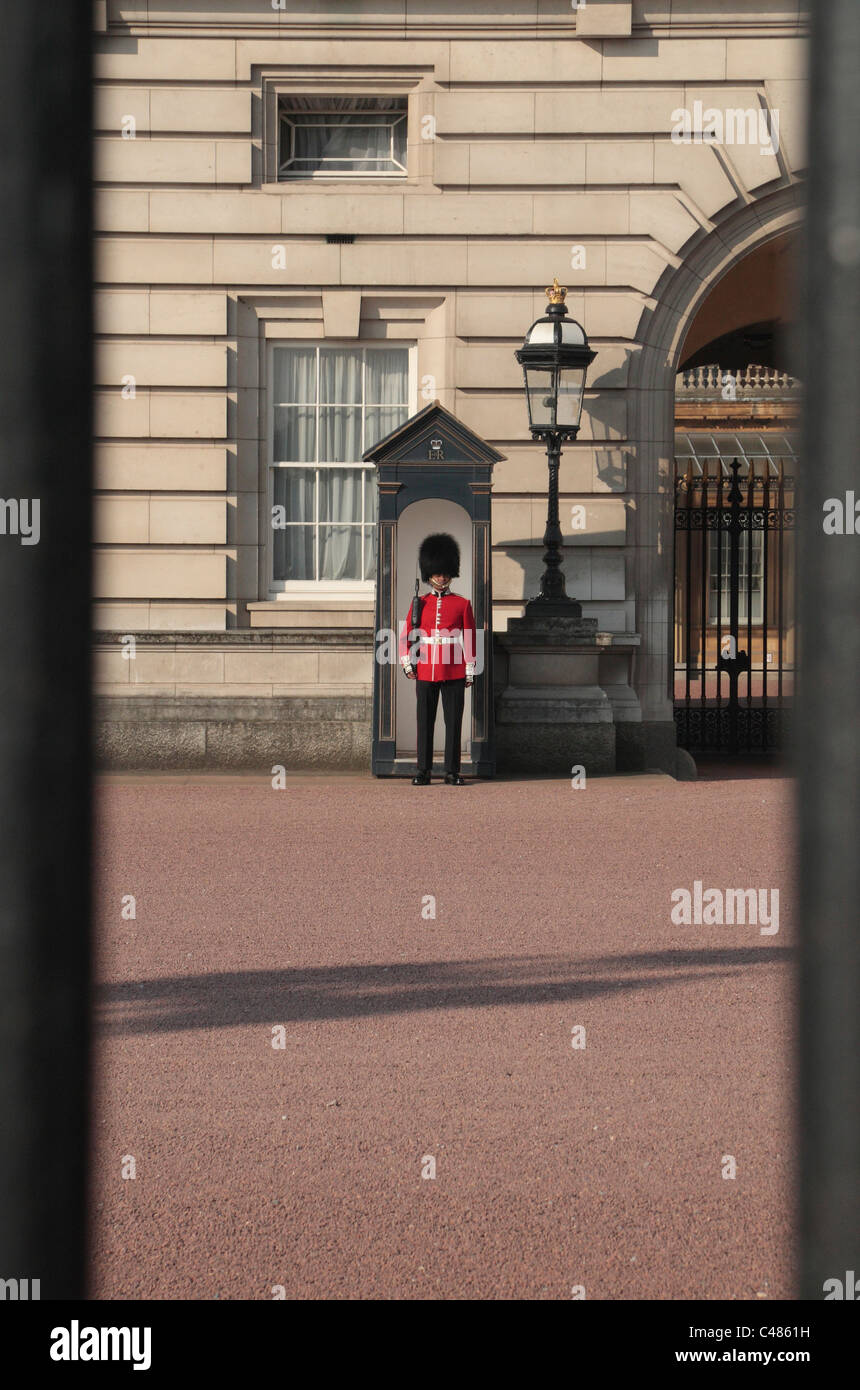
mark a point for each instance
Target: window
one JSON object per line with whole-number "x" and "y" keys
{"x": 342, "y": 137}
{"x": 329, "y": 405}
{"x": 749, "y": 585}
{"x": 763, "y": 455}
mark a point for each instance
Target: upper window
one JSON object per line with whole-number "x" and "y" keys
{"x": 342, "y": 137}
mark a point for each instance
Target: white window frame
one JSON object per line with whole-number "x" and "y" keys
{"x": 751, "y": 550}
{"x": 335, "y": 588}
{"x": 285, "y": 174}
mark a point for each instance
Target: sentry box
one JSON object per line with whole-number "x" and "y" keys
{"x": 433, "y": 474}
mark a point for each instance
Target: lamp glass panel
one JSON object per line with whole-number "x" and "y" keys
{"x": 541, "y": 332}
{"x": 540, "y": 388}
{"x": 570, "y": 388}
{"x": 572, "y": 333}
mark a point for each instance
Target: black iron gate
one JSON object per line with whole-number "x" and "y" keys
{"x": 734, "y": 605}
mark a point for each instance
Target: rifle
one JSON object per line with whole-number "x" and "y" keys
{"x": 415, "y": 616}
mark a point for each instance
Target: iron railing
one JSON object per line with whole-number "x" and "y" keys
{"x": 734, "y": 605}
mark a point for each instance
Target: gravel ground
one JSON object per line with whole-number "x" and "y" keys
{"x": 305, "y": 917}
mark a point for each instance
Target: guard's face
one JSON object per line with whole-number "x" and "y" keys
{"x": 440, "y": 581}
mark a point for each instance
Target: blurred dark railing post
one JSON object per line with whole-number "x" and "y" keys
{"x": 45, "y": 484}
{"x": 827, "y": 748}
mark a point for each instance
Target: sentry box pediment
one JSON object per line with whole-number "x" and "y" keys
{"x": 434, "y": 435}
{"x": 433, "y": 474}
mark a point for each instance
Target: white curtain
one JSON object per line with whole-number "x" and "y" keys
{"x": 295, "y": 394}
{"x": 346, "y": 143}
{"x": 294, "y": 544}
{"x": 324, "y": 538}
{"x": 386, "y": 393}
{"x": 339, "y": 504}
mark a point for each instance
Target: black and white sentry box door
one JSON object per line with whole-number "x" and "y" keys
{"x": 433, "y": 474}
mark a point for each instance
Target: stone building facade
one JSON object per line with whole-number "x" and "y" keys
{"x": 314, "y": 218}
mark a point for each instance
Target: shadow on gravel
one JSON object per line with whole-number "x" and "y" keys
{"x": 229, "y": 1000}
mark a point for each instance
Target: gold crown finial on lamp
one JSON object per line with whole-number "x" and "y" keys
{"x": 555, "y": 292}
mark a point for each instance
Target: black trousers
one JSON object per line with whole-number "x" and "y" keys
{"x": 453, "y": 698}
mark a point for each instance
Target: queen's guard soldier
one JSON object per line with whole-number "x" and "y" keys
{"x": 437, "y": 651}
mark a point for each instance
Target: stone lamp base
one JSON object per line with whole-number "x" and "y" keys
{"x": 554, "y": 713}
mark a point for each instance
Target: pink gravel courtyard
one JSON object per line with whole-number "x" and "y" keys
{"x": 424, "y": 960}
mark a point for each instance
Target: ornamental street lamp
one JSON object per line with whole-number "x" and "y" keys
{"x": 555, "y": 358}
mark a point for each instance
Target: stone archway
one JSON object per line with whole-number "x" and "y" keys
{"x": 661, "y": 335}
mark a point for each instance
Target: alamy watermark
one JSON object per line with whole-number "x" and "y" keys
{"x": 19, "y": 516}
{"x": 842, "y": 518}
{"x": 701, "y": 125}
{"x": 717, "y": 907}
{"x": 76, "y": 1343}
{"x": 847, "y": 1290}
{"x": 450, "y": 647}
{"x": 20, "y": 1290}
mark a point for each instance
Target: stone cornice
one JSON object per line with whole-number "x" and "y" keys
{"x": 258, "y": 637}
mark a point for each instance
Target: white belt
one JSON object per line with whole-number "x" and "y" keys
{"x": 440, "y": 641}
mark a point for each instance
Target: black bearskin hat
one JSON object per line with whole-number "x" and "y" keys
{"x": 439, "y": 554}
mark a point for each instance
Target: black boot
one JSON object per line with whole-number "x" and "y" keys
{"x": 454, "y": 779}
{"x": 422, "y": 780}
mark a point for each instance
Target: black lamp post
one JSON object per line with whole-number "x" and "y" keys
{"x": 555, "y": 358}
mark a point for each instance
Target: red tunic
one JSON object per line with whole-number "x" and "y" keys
{"x": 446, "y": 648}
